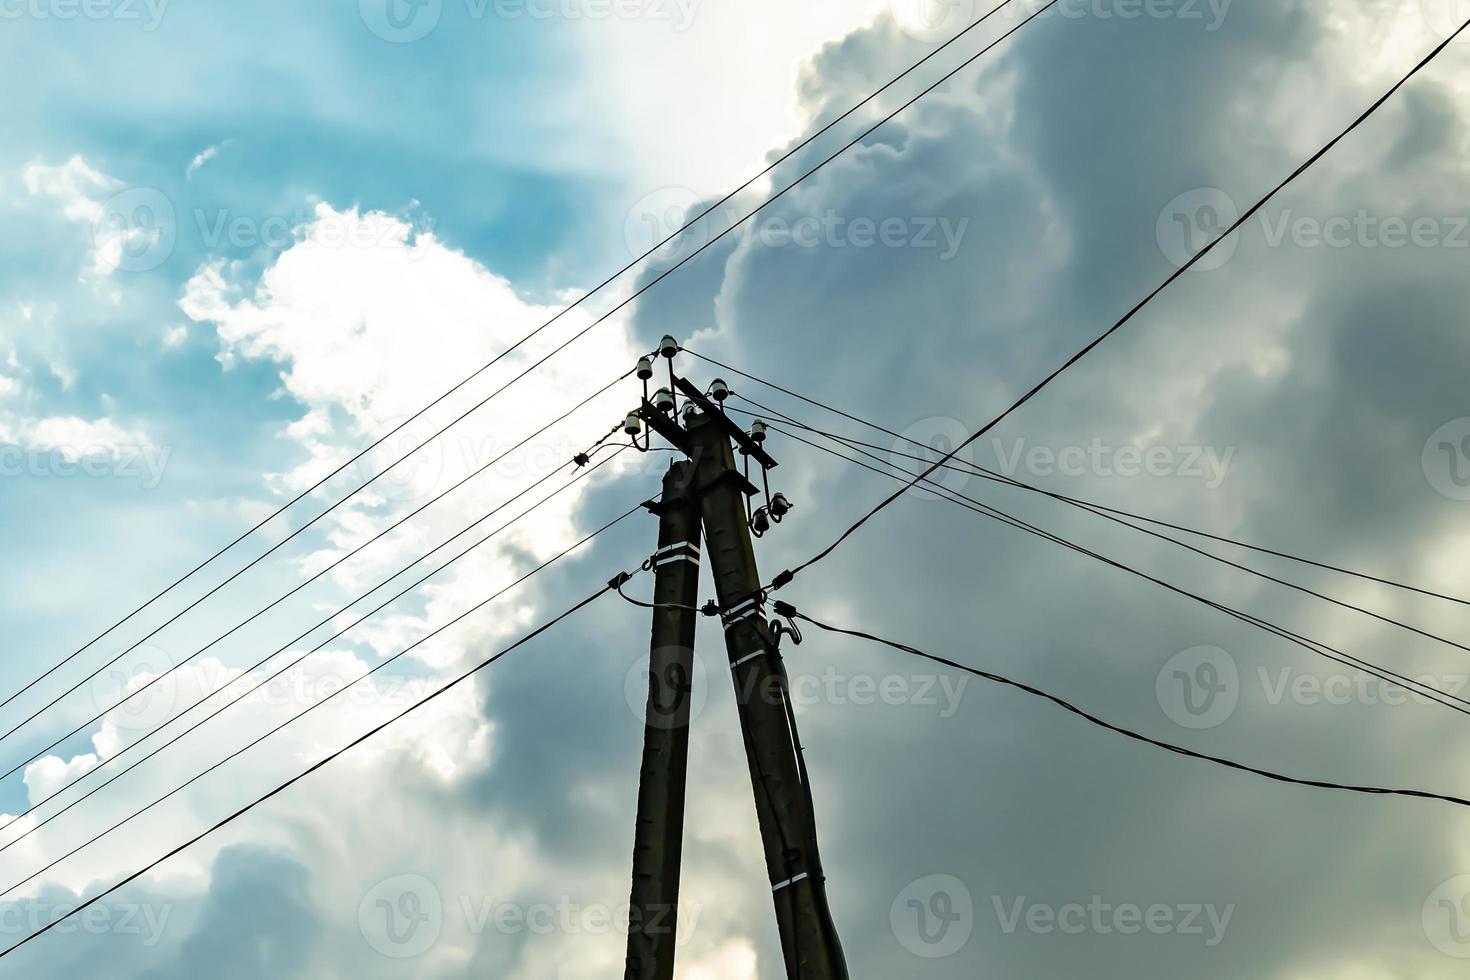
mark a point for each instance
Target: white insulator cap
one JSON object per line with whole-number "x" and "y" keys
{"x": 760, "y": 523}
{"x": 645, "y": 368}
{"x": 758, "y": 431}
{"x": 632, "y": 425}
{"x": 663, "y": 400}
{"x": 668, "y": 347}
{"x": 718, "y": 390}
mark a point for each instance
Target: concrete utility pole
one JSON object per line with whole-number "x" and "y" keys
{"x": 709, "y": 490}
{"x": 782, "y": 794}
{"x": 658, "y": 839}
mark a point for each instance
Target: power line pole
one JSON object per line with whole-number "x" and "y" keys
{"x": 783, "y": 801}
{"x": 708, "y": 490}
{"x": 658, "y": 838}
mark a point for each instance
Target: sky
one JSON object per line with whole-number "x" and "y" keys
{"x": 244, "y": 241}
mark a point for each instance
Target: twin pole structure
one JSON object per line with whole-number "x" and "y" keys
{"x": 708, "y": 491}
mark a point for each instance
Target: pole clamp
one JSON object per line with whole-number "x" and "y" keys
{"x": 680, "y": 551}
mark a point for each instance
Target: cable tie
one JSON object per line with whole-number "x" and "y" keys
{"x": 682, "y": 551}
{"x": 782, "y": 580}
{"x": 748, "y": 657}
{"x": 619, "y": 580}
{"x": 788, "y": 882}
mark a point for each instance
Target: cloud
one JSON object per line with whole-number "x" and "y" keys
{"x": 121, "y": 221}
{"x": 175, "y": 336}
{"x": 76, "y": 185}
{"x": 204, "y": 156}
{"x": 73, "y": 438}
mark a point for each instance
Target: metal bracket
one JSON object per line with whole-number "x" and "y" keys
{"x": 741, "y": 437}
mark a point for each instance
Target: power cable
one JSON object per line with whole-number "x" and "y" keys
{"x": 355, "y": 742}
{"x": 785, "y": 577}
{"x": 1451, "y": 701}
{"x": 299, "y": 587}
{"x": 1097, "y": 512}
{"x": 495, "y": 360}
{"x": 1065, "y": 705}
{"x": 974, "y": 469}
{"x": 288, "y": 666}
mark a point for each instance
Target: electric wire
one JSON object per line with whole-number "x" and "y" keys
{"x": 789, "y": 154}
{"x": 786, "y": 576}
{"x": 370, "y": 733}
{"x": 586, "y": 329}
{"x": 1129, "y": 733}
{"x": 250, "y": 689}
{"x": 1097, "y": 512}
{"x": 1420, "y": 688}
{"x": 972, "y": 468}
{"x": 298, "y": 588}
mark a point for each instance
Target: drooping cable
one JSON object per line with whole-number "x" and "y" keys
{"x": 1125, "y": 732}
